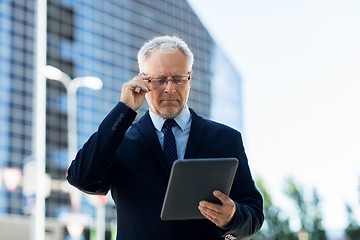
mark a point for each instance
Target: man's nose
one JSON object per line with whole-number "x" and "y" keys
{"x": 169, "y": 86}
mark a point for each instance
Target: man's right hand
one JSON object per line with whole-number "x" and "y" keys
{"x": 133, "y": 92}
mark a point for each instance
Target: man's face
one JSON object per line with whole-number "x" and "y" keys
{"x": 168, "y": 100}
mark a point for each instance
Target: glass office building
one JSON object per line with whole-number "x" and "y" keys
{"x": 226, "y": 91}
{"x": 84, "y": 38}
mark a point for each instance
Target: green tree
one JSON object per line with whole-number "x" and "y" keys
{"x": 352, "y": 231}
{"x": 276, "y": 226}
{"x": 309, "y": 211}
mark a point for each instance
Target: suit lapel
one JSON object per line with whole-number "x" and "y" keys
{"x": 196, "y": 132}
{"x": 147, "y": 129}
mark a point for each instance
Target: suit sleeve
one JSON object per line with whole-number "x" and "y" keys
{"x": 90, "y": 171}
{"x": 248, "y": 217}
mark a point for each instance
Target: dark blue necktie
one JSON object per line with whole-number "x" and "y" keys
{"x": 169, "y": 142}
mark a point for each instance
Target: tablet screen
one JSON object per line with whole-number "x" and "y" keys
{"x": 193, "y": 180}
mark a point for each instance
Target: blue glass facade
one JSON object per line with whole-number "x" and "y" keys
{"x": 16, "y": 46}
{"x": 226, "y": 91}
{"x": 84, "y": 38}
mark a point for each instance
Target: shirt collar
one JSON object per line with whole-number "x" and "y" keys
{"x": 182, "y": 119}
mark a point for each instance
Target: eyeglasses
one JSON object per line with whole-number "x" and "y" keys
{"x": 177, "y": 81}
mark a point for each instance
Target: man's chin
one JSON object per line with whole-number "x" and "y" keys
{"x": 169, "y": 112}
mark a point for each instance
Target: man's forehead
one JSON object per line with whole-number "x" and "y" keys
{"x": 165, "y": 62}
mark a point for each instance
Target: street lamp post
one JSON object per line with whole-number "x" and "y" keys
{"x": 71, "y": 86}
{"x": 39, "y": 117}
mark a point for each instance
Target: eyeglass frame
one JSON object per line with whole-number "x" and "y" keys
{"x": 167, "y": 79}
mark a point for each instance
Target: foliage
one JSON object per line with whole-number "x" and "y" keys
{"x": 276, "y": 226}
{"x": 309, "y": 211}
{"x": 352, "y": 231}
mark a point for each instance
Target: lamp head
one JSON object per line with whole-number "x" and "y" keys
{"x": 53, "y": 73}
{"x": 94, "y": 83}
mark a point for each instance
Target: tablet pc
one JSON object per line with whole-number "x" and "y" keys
{"x": 193, "y": 180}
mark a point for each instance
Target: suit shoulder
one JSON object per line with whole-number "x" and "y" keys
{"x": 211, "y": 124}
{"x": 220, "y": 125}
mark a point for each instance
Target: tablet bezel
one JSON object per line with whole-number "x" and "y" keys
{"x": 193, "y": 180}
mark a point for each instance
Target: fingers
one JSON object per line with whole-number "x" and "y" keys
{"x": 133, "y": 92}
{"x": 212, "y": 217}
{"x": 222, "y": 197}
{"x": 221, "y": 215}
{"x": 138, "y": 84}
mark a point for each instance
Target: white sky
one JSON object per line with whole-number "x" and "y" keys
{"x": 300, "y": 62}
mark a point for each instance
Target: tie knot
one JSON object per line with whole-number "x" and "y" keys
{"x": 169, "y": 123}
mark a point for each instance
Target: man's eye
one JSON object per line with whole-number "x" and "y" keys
{"x": 161, "y": 81}
{"x": 177, "y": 81}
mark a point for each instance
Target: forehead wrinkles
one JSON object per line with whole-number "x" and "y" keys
{"x": 157, "y": 50}
{"x": 166, "y": 63}
{"x": 169, "y": 75}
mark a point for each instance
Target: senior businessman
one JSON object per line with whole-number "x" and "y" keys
{"x": 133, "y": 160}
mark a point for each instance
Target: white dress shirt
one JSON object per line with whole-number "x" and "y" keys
{"x": 181, "y": 130}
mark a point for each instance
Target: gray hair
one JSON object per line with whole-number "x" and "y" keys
{"x": 165, "y": 44}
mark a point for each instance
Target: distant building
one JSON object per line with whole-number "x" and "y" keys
{"x": 226, "y": 91}
{"x": 85, "y": 38}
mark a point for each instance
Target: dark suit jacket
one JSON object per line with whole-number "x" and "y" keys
{"x": 127, "y": 159}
